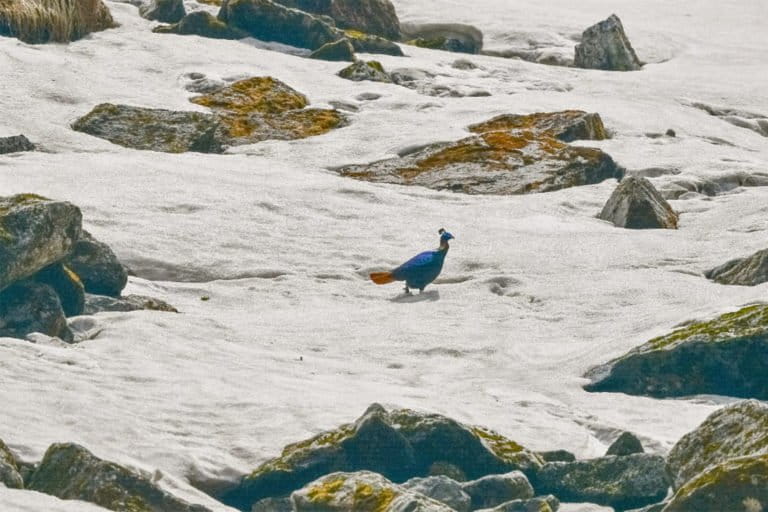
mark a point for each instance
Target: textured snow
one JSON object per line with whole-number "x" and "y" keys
{"x": 294, "y": 339}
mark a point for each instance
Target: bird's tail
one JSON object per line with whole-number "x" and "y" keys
{"x": 382, "y": 277}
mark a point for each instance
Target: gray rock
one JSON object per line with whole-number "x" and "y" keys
{"x": 273, "y": 505}
{"x": 750, "y": 271}
{"x": 203, "y": 24}
{"x": 97, "y": 267}
{"x": 442, "y": 489}
{"x": 626, "y": 444}
{"x": 539, "y": 504}
{"x": 606, "y": 46}
{"x": 454, "y": 37}
{"x": 9, "y": 470}
{"x": 377, "y": 17}
{"x": 341, "y": 50}
{"x": 104, "y": 304}
{"x": 67, "y": 286}
{"x": 166, "y": 11}
{"x": 15, "y": 144}
{"x": 70, "y": 20}
{"x": 464, "y": 64}
{"x": 366, "y": 43}
{"x": 636, "y": 204}
{"x": 493, "y": 490}
{"x": 620, "y": 482}
{"x": 557, "y": 456}
{"x": 28, "y": 307}
{"x": 362, "y": 70}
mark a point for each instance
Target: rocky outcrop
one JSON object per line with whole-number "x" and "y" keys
{"x": 511, "y": 154}
{"x": 620, "y": 482}
{"x": 61, "y": 21}
{"x": 97, "y": 267}
{"x": 735, "y": 431}
{"x": 9, "y": 470}
{"x": 341, "y": 50}
{"x": 203, "y": 24}
{"x": 493, "y": 490}
{"x": 725, "y": 356}
{"x": 443, "y": 489}
{"x": 15, "y": 144}
{"x": 750, "y": 271}
{"x": 166, "y": 11}
{"x": 69, "y": 471}
{"x": 104, "y": 304}
{"x": 452, "y": 37}
{"x": 398, "y": 444}
{"x": 636, "y": 204}
{"x": 539, "y": 504}
{"x": 606, "y": 46}
{"x": 28, "y": 307}
{"x": 365, "y": 70}
{"x": 376, "y": 17}
{"x": 626, "y": 444}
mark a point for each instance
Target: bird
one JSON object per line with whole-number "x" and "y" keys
{"x": 420, "y": 270}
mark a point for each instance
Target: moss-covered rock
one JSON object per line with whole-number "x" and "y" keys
{"x": 508, "y": 155}
{"x": 69, "y": 471}
{"x": 750, "y": 271}
{"x": 452, "y": 37}
{"x": 738, "y": 430}
{"x": 377, "y": 17}
{"x": 44, "y": 21}
{"x": 366, "y": 43}
{"x": 15, "y": 144}
{"x": 166, "y": 11}
{"x": 9, "y": 470}
{"x": 203, "y": 24}
{"x": 341, "y": 50}
{"x": 67, "y": 286}
{"x": 97, "y": 266}
{"x": 28, "y": 307}
{"x": 606, "y": 46}
{"x": 365, "y": 70}
{"x": 724, "y": 356}
{"x": 103, "y": 304}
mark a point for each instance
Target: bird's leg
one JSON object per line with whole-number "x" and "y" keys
{"x": 407, "y": 290}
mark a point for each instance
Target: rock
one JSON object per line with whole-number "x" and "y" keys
{"x": 63, "y": 20}
{"x": 28, "y": 307}
{"x": 442, "y": 489}
{"x": 626, "y": 444}
{"x": 34, "y": 232}
{"x": 493, "y": 490}
{"x": 453, "y": 37}
{"x": 67, "y": 286}
{"x": 366, "y": 43}
{"x": 606, "y": 46}
{"x": 464, "y": 65}
{"x": 104, "y": 304}
{"x": 636, "y": 204}
{"x": 97, "y": 267}
{"x": 15, "y": 144}
{"x": 152, "y": 129}
{"x": 377, "y": 17}
{"x": 399, "y": 444}
{"x": 670, "y": 133}
{"x": 513, "y": 154}
{"x": 362, "y": 70}
{"x": 620, "y": 482}
{"x": 541, "y": 504}
{"x": 557, "y": 456}
{"x": 340, "y": 50}
{"x": 268, "y": 21}
{"x": 737, "y": 430}
{"x": 70, "y": 472}
{"x": 203, "y": 24}
{"x": 166, "y": 11}
{"x": 361, "y": 492}
{"x": 724, "y": 356}
{"x": 273, "y": 505}
{"x": 9, "y": 470}
{"x": 750, "y": 271}
{"x": 735, "y": 485}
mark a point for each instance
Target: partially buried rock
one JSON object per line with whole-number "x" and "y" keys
{"x": 377, "y": 17}
{"x": 636, "y": 204}
{"x": 606, "y": 46}
{"x": 452, "y": 37}
{"x": 340, "y": 50}
{"x": 557, "y": 456}
{"x": 203, "y": 24}
{"x": 28, "y": 307}
{"x": 493, "y": 490}
{"x": 103, "y": 304}
{"x": 442, "y": 489}
{"x": 70, "y": 472}
{"x": 9, "y": 470}
{"x": 366, "y": 43}
{"x": 15, "y": 144}
{"x": 365, "y": 70}
{"x": 166, "y": 11}
{"x": 97, "y": 266}
{"x": 750, "y": 271}
{"x": 724, "y": 356}
{"x": 539, "y": 504}
{"x": 67, "y": 286}
{"x": 626, "y": 444}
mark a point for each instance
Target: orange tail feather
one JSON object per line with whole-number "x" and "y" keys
{"x": 382, "y": 277}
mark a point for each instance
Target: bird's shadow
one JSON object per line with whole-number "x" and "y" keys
{"x": 407, "y": 298}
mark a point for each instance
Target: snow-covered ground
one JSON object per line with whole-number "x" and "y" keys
{"x": 294, "y": 339}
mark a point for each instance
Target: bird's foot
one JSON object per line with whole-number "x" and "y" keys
{"x": 407, "y": 291}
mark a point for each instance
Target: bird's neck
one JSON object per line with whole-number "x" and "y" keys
{"x": 444, "y": 246}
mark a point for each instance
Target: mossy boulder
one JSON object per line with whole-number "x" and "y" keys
{"x": 626, "y": 444}
{"x": 67, "y": 286}
{"x": 493, "y": 490}
{"x": 365, "y": 70}
{"x": 203, "y": 24}
{"x": 70, "y": 472}
{"x": 606, "y": 46}
{"x": 724, "y": 356}
{"x": 620, "y": 482}
{"x": 737, "y": 430}
{"x": 61, "y": 21}
{"x": 28, "y": 307}
{"x": 97, "y": 266}
{"x": 9, "y": 469}
{"x": 341, "y": 50}
{"x": 636, "y": 204}
{"x": 512, "y": 154}
{"x": 104, "y": 304}
{"x": 399, "y": 444}
{"x": 376, "y": 17}
{"x": 15, "y": 144}
{"x": 557, "y": 456}
{"x": 166, "y": 11}
{"x": 750, "y": 271}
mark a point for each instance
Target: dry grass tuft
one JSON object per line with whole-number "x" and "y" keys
{"x": 43, "y": 21}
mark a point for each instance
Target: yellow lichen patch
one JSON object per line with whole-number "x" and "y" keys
{"x": 355, "y": 34}
{"x": 551, "y": 124}
{"x": 501, "y": 446}
{"x": 369, "y": 499}
{"x": 263, "y": 95}
{"x": 326, "y": 490}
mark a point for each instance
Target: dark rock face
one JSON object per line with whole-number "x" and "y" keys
{"x": 15, "y": 144}
{"x": 620, "y": 482}
{"x": 63, "y": 21}
{"x": 166, "y": 11}
{"x": 9, "y": 470}
{"x": 362, "y": 70}
{"x": 97, "y": 267}
{"x": 626, "y": 444}
{"x": 28, "y": 307}
{"x": 493, "y": 490}
{"x": 341, "y": 50}
{"x": 725, "y": 356}
{"x": 452, "y": 37}
{"x": 557, "y": 456}
{"x": 203, "y": 24}
{"x": 442, "y": 489}
{"x": 69, "y": 471}
{"x": 377, "y": 17}
{"x": 606, "y": 46}
{"x": 636, "y": 204}
{"x": 750, "y": 271}
{"x": 67, "y": 286}
{"x": 104, "y": 304}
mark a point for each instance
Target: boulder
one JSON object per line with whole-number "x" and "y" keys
{"x": 737, "y": 485}
{"x": 15, "y": 144}
{"x": 28, "y": 307}
{"x": 365, "y": 70}
{"x": 750, "y": 271}
{"x": 67, "y": 286}
{"x": 366, "y": 43}
{"x": 539, "y": 504}
{"x": 152, "y": 129}
{"x": 557, "y": 456}
{"x": 377, "y": 17}
{"x": 166, "y": 11}
{"x": 104, "y": 304}
{"x": 724, "y": 356}
{"x": 442, "y": 489}
{"x": 512, "y": 154}
{"x": 97, "y": 266}
{"x": 341, "y": 50}
{"x": 453, "y": 37}
{"x": 493, "y": 490}
{"x": 44, "y": 21}
{"x": 361, "y": 492}
{"x": 636, "y": 204}
{"x": 626, "y": 444}
{"x": 620, "y": 482}
{"x": 606, "y": 46}
{"x": 34, "y": 232}
{"x": 70, "y": 472}
{"x": 737, "y": 430}
{"x": 9, "y": 470}
{"x": 203, "y": 24}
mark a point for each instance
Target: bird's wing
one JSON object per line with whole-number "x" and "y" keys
{"x": 423, "y": 260}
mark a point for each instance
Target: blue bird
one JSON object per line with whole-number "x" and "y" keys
{"x": 420, "y": 270}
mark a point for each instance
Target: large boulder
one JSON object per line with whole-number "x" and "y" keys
{"x": 341, "y": 50}
{"x": 734, "y": 431}
{"x": 493, "y": 490}
{"x": 43, "y": 21}
{"x": 105, "y": 304}
{"x": 15, "y": 144}
{"x": 67, "y": 286}
{"x": 452, "y": 37}
{"x": 750, "y": 271}
{"x": 511, "y": 154}
{"x": 28, "y": 307}
{"x": 203, "y": 24}
{"x": 97, "y": 267}
{"x": 377, "y": 17}
{"x": 636, "y": 204}
{"x": 626, "y": 444}
{"x": 9, "y": 470}
{"x": 724, "y": 356}
{"x": 166, "y": 11}
{"x": 620, "y": 482}
{"x": 34, "y": 232}
{"x": 69, "y": 471}
{"x": 606, "y": 46}
{"x": 399, "y": 444}
{"x": 442, "y": 489}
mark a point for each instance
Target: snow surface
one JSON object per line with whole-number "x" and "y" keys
{"x": 294, "y": 339}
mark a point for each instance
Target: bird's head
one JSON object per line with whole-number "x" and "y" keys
{"x": 444, "y": 235}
